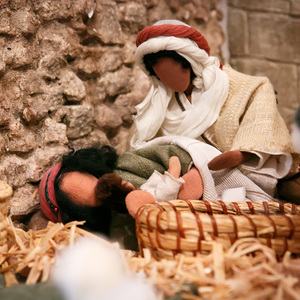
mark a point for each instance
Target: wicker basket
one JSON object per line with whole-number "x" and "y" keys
{"x": 192, "y": 226}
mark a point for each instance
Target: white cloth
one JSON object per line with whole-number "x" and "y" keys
{"x": 208, "y": 96}
{"x": 162, "y": 187}
{"x": 215, "y": 182}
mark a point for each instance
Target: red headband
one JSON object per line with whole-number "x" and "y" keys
{"x": 180, "y": 31}
{"x": 47, "y": 195}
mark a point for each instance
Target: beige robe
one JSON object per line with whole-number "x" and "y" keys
{"x": 249, "y": 121}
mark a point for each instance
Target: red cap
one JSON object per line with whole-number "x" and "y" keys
{"x": 47, "y": 195}
{"x": 180, "y": 31}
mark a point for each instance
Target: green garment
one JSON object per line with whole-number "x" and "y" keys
{"x": 42, "y": 291}
{"x": 138, "y": 165}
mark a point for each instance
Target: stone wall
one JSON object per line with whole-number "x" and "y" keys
{"x": 264, "y": 40}
{"x": 68, "y": 78}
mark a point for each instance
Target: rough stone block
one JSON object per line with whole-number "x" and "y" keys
{"x": 279, "y": 6}
{"x": 96, "y": 138}
{"x": 238, "y": 32}
{"x": 21, "y": 139}
{"x": 295, "y": 7}
{"x": 159, "y": 12}
{"x": 50, "y": 65}
{"x": 107, "y": 118}
{"x": 42, "y": 159}
{"x": 53, "y": 98}
{"x": 4, "y": 3}
{"x": 13, "y": 170}
{"x": 19, "y": 52}
{"x": 52, "y": 9}
{"x": 17, "y": 4}
{"x": 124, "y": 108}
{"x": 132, "y": 16}
{"x": 4, "y": 109}
{"x": 105, "y": 24}
{"x": 73, "y": 87}
{"x": 128, "y": 52}
{"x": 214, "y": 35}
{"x": 53, "y": 132}
{"x": 275, "y": 37}
{"x": 24, "y": 201}
{"x": 115, "y": 83}
{"x": 5, "y": 22}
{"x": 60, "y": 39}
{"x": 29, "y": 115}
{"x": 120, "y": 141}
{"x": 25, "y": 22}
{"x": 79, "y": 120}
{"x": 2, "y": 144}
{"x": 31, "y": 83}
{"x": 111, "y": 60}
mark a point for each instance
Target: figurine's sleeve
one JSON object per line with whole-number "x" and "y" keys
{"x": 263, "y": 132}
{"x": 137, "y": 166}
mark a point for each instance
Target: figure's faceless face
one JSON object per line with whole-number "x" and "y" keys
{"x": 81, "y": 188}
{"x": 172, "y": 74}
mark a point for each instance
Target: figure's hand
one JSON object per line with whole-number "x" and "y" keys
{"x": 174, "y": 167}
{"x": 136, "y": 199}
{"x": 111, "y": 191}
{"x": 229, "y": 159}
{"x": 192, "y": 189}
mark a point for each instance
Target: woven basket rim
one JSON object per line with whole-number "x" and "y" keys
{"x": 183, "y": 225}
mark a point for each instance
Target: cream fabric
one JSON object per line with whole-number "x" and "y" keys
{"x": 250, "y": 121}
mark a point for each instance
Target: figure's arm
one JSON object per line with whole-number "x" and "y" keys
{"x": 229, "y": 159}
{"x": 256, "y": 127}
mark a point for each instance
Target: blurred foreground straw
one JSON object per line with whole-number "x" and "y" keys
{"x": 248, "y": 270}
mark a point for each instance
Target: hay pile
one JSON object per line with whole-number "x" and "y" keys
{"x": 235, "y": 274}
{"x": 247, "y": 270}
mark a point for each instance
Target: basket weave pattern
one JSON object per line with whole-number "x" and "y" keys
{"x": 191, "y": 226}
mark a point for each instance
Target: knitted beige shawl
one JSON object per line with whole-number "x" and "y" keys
{"x": 249, "y": 119}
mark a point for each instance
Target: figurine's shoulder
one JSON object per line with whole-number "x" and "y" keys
{"x": 238, "y": 80}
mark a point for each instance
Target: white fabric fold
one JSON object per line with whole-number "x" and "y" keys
{"x": 214, "y": 182}
{"x": 276, "y": 165}
{"x": 208, "y": 96}
{"x": 162, "y": 187}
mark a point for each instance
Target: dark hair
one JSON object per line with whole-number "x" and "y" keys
{"x": 96, "y": 162}
{"x": 151, "y": 59}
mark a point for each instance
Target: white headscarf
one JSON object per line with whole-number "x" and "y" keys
{"x": 208, "y": 96}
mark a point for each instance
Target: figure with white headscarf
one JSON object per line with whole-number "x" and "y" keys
{"x": 193, "y": 95}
